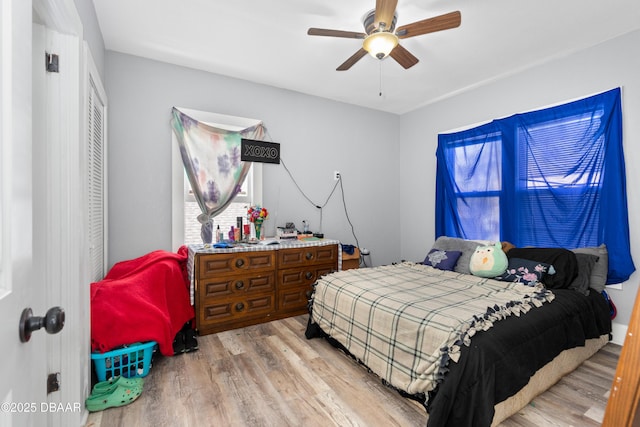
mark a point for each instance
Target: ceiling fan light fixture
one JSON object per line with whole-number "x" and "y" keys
{"x": 380, "y": 44}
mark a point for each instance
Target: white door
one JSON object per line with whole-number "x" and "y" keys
{"x": 22, "y": 365}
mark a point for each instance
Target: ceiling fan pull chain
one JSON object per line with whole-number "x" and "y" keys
{"x": 380, "y": 83}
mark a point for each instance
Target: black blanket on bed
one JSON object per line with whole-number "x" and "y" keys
{"x": 500, "y": 361}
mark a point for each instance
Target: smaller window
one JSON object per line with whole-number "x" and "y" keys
{"x": 224, "y": 220}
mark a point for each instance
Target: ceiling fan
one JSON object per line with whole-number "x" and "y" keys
{"x": 381, "y": 36}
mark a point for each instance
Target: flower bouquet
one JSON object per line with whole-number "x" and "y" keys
{"x": 257, "y": 215}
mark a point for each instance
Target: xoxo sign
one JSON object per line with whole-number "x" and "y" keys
{"x": 259, "y": 151}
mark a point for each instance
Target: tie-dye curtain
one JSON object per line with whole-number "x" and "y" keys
{"x": 211, "y": 158}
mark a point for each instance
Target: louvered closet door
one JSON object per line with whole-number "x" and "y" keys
{"x": 96, "y": 185}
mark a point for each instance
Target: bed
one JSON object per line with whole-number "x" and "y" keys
{"x": 472, "y": 350}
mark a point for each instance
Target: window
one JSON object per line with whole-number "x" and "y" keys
{"x": 477, "y": 192}
{"x": 185, "y": 209}
{"x": 226, "y": 219}
{"x": 559, "y": 183}
{"x": 548, "y": 178}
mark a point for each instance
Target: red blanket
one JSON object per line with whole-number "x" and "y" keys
{"x": 144, "y": 299}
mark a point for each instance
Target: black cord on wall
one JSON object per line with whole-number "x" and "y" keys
{"x": 305, "y": 196}
{"x": 320, "y": 207}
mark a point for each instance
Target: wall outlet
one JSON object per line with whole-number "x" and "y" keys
{"x": 336, "y": 175}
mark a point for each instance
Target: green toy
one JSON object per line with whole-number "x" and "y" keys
{"x": 488, "y": 261}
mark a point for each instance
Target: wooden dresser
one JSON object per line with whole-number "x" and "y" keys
{"x": 243, "y": 286}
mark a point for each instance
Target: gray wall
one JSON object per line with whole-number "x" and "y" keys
{"x": 317, "y": 136}
{"x": 387, "y": 161}
{"x": 611, "y": 64}
{"x": 92, "y": 34}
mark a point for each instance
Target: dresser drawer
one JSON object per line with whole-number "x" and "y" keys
{"x": 236, "y": 286}
{"x": 215, "y": 312}
{"x": 212, "y": 265}
{"x": 297, "y": 257}
{"x": 303, "y": 276}
{"x": 294, "y": 299}
{"x": 295, "y": 286}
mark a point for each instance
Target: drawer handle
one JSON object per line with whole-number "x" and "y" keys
{"x": 309, "y": 275}
{"x": 239, "y": 306}
{"x": 309, "y": 255}
{"x": 239, "y": 284}
{"x": 239, "y": 262}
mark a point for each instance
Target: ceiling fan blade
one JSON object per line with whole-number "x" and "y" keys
{"x": 430, "y": 25}
{"x": 403, "y": 57}
{"x": 335, "y": 33}
{"x": 385, "y": 9}
{"x": 352, "y": 60}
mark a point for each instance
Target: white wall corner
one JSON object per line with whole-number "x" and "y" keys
{"x": 619, "y": 333}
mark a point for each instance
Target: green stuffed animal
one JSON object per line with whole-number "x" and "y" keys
{"x": 488, "y": 261}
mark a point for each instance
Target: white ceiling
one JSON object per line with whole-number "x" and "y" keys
{"x": 267, "y": 42}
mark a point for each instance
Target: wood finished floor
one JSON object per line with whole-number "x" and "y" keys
{"x": 270, "y": 375}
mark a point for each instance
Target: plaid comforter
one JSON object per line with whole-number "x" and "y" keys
{"x": 407, "y": 321}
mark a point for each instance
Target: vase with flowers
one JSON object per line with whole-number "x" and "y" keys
{"x": 257, "y": 214}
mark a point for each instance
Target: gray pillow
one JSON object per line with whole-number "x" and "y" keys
{"x": 598, "y": 279}
{"x": 467, "y": 247}
{"x": 585, "y": 266}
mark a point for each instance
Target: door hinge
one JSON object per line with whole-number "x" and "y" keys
{"x": 53, "y": 382}
{"x": 51, "y": 62}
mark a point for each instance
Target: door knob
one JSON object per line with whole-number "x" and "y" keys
{"x": 53, "y": 322}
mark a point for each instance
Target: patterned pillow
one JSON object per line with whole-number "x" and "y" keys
{"x": 524, "y": 271}
{"x": 443, "y": 260}
{"x": 563, "y": 261}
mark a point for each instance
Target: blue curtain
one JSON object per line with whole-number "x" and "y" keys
{"x": 548, "y": 178}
